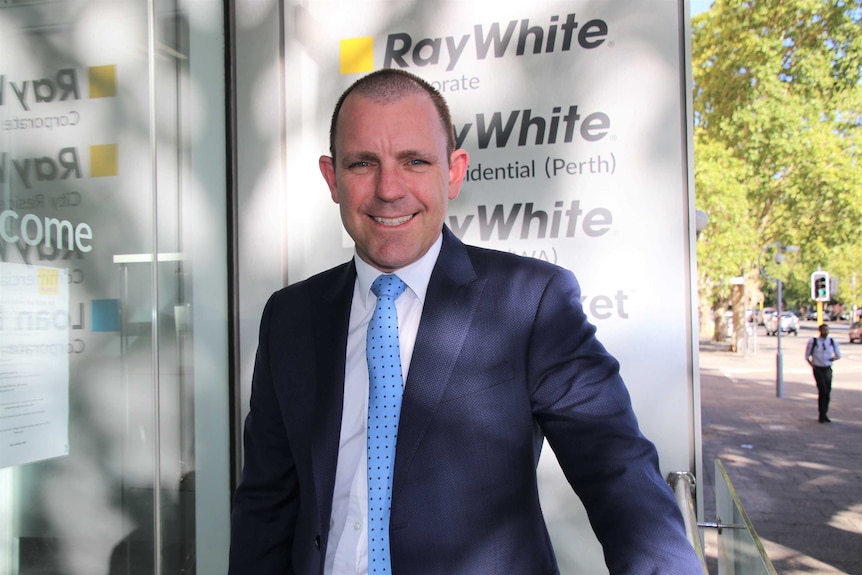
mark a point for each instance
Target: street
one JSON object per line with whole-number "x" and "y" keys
{"x": 793, "y": 349}
{"x": 798, "y": 480}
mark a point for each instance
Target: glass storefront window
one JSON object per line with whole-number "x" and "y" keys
{"x": 114, "y": 375}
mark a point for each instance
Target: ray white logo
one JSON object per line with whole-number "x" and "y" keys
{"x": 561, "y": 221}
{"x": 64, "y": 165}
{"x": 61, "y": 86}
{"x": 498, "y": 40}
{"x": 534, "y": 128}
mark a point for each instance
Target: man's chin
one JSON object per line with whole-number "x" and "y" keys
{"x": 389, "y": 260}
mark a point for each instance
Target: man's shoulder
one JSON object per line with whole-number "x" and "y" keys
{"x": 829, "y": 340}
{"x": 518, "y": 272}
{"x": 498, "y": 259}
{"x": 464, "y": 260}
{"x": 319, "y": 284}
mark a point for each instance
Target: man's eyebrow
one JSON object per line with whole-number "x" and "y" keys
{"x": 416, "y": 154}
{"x": 348, "y": 159}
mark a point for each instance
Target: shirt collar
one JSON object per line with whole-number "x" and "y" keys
{"x": 416, "y": 275}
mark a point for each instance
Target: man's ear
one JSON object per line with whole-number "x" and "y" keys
{"x": 327, "y": 169}
{"x": 458, "y": 163}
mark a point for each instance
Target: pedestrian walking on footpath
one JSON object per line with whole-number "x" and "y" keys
{"x": 820, "y": 353}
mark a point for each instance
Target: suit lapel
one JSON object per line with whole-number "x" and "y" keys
{"x": 453, "y": 292}
{"x": 330, "y": 342}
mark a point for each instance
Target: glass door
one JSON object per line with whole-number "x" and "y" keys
{"x": 113, "y": 287}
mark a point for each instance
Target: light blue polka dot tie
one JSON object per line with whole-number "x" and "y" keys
{"x": 385, "y": 388}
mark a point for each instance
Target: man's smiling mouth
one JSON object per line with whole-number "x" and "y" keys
{"x": 392, "y": 221}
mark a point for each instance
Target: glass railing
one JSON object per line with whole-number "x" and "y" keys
{"x": 740, "y": 551}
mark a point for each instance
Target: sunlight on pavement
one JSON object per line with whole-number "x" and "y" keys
{"x": 796, "y": 563}
{"x": 798, "y": 480}
{"x": 849, "y": 520}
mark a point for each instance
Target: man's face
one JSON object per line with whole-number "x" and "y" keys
{"x": 391, "y": 177}
{"x": 824, "y": 330}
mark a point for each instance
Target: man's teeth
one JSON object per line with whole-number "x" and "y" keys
{"x": 392, "y": 221}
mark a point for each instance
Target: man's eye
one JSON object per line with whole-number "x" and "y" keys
{"x": 359, "y": 165}
{"x": 418, "y": 162}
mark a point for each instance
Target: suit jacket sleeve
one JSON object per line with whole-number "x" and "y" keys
{"x": 584, "y": 410}
{"x": 263, "y": 519}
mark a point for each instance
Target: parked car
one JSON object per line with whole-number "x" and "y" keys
{"x": 765, "y": 314}
{"x": 789, "y": 323}
{"x": 855, "y": 332}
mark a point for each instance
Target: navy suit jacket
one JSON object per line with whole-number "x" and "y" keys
{"x": 504, "y": 357}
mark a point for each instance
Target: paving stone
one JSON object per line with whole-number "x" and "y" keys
{"x": 800, "y": 481}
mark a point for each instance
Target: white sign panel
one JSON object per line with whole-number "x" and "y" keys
{"x": 34, "y": 363}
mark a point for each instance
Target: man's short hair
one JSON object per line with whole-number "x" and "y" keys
{"x": 389, "y": 85}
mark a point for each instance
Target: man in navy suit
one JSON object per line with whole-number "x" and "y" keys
{"x": 496, "y": 354}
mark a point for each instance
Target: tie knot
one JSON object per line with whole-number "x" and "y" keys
{"x": 389, "y": 285}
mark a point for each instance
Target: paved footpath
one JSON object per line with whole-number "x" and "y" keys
{"x": 800, "y": 481}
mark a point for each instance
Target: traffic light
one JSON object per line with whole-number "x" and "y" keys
{"x": 820, "y": 286}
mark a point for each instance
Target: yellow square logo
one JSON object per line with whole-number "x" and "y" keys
{"x": 103, "y": 81}
{"x": 357, "y": 55}
{"x": 49, "y": 281}
{"x": 103, "y": 161}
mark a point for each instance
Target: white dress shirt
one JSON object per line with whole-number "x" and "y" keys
{"x": 823, "y": 351}
{"x": 347, "y": 552}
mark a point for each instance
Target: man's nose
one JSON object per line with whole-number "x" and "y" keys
{"x": 390, "y": 184}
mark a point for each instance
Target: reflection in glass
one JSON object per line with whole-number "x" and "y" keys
{"x": 112, "y": 177}
{"x": 740, "y": 551}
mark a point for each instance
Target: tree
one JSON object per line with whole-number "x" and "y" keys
{"x": 778, "y": 108}
{"x": 726, "y": 247}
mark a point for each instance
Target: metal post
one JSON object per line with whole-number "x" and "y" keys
{"x": 779, "y": 360}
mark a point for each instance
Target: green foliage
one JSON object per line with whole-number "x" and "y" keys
{"x": 778, "y": 127}
{"x": 726, "y": 247}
